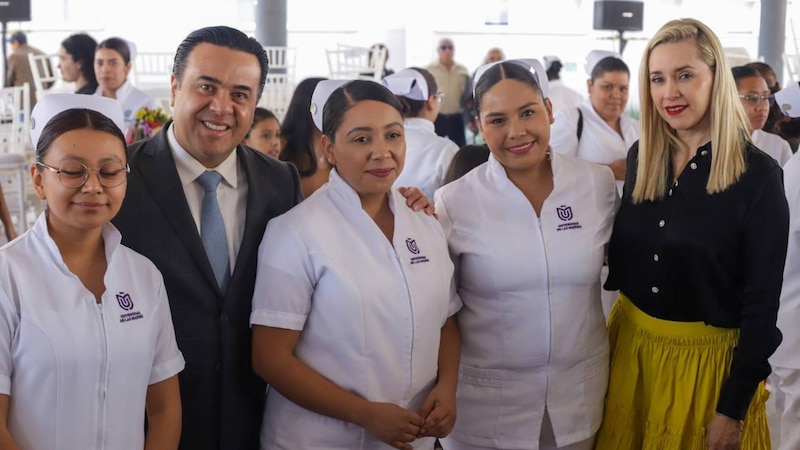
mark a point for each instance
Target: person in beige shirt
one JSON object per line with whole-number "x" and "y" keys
{"x": 18, "y": 69}
{"x": 454, "y": 82}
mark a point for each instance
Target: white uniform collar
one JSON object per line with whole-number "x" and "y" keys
{"x": 111, "y": 241}
{"x": 189, "y": 168}
{"x": 341, "y": 189}
{"x": 122, "y": 91}
{"x": 497, "y": 173}
{"x": 419, "y": 123}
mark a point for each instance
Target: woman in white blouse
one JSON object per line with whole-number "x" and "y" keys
{"x": 112, "y": 64}
{"x": 599, "y": 130}
{"x": 527, "y": 232}
{"x": 86, "y": 337}
{"x": 427, "y": 155}
{"x": 354, "y": 296}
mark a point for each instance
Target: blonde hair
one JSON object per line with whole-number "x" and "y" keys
{"x": 729, "y": 123}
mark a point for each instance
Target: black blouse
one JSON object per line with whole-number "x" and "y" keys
{"x": 718, "y": 259}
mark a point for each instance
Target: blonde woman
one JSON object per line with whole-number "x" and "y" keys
{"x": 697, "y": 253}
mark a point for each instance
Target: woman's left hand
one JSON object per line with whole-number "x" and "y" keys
{"x": 416, "y": 200}
{"x": 439, "y": 412}
{"x": 723, "y": 433}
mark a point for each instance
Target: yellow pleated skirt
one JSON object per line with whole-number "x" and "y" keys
{"x": 665, "y": 381}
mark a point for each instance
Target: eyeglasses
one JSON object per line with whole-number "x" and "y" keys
{"x": 73, "y": 174}
{"x": 446, "y": 47}
{"x": 439, "y": 96}
{"x": 756, "y": 99}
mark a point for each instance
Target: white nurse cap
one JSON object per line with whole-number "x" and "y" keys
{"x": 548, "y": 61}
{"x": 788, "y": 99}
{"x": 408, "y": 83}
{"x": 531, "y": 64}
{"x": 320, "y": 96}
{"x": 52, "y": 104}
{"x": 595, "y": 56}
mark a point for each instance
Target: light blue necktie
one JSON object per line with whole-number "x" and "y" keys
{"x": 212, "y": 228}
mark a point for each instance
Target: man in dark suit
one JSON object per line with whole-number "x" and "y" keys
{"x": 217, "y": 80}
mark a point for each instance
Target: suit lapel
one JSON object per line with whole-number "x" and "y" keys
{"x": 255, "y": 215}
{"x": 159, "y": 173}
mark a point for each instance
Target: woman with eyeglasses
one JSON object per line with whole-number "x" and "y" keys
{"x": 427, "y": 155}
{"x": 86, "y": 337}
{"x": 757, "y": 99}
{"x": 697, "y": 253}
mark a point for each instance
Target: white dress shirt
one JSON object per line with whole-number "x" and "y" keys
{"x": 599, "y": 142}
{"x": 231, "y": 192}
{"x": 77, "y": 371}
{"x": 773, "y": 145}
{"x": 370, "y": 311}
{"x": 533, "y": 334}
{"x": 428, "y": 157}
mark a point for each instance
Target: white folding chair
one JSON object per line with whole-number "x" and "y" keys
{"x": 348, "y": 62}
{"x": 15, "y": 150}
{"x": 151, "y": 73}
{"x": 46, "y": 76}
{"x": 277, "y": 94}
{"x": 280, "y": 84}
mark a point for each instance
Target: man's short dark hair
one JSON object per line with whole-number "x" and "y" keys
{"x": 224, "y": 37}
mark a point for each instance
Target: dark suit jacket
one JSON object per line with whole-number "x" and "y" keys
{"x": 223, "y": 400}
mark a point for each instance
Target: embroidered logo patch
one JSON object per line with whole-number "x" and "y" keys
{"x": 565, "y": 214}
{"x": 412, "y": 246}
{"x": 125, "y": 302}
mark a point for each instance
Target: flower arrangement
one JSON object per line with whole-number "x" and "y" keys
{"x": 147, "y": 123}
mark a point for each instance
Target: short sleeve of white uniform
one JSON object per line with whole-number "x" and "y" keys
{"x": 447, "y": 227}
{"x": 167, "y": 359}
{"x": 443, "y": 164}
{"x": 284, "y": 278}
{"x": 564, "y": 132}
{"x": 609, "y": 201}
{"x": 9, "y": 321}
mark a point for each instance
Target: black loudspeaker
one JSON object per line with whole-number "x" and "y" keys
{"x": 15, "y": 10}
{"x": 618, "y": 15}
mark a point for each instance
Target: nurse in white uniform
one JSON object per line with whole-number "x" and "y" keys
{"x": 756, "y": 99}
{"x": 428, "y": 156}
{"x": 528, "y": 232}
{"x": 599, "y": 130}
{"x": 354, "y": 296}
{"x": 112, "y": 64}
{"x": 785, "y": 377}
{"x": 86, "y": 337}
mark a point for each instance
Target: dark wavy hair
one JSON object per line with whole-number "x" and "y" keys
{"x": 119, "y": 45}
{"x": 503, "y": 71}
{"x": 609, "y": 64}
{"x": 81, "y": 47}
{"x": 347, "y": 96}
{"x": 221, "y": 36}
